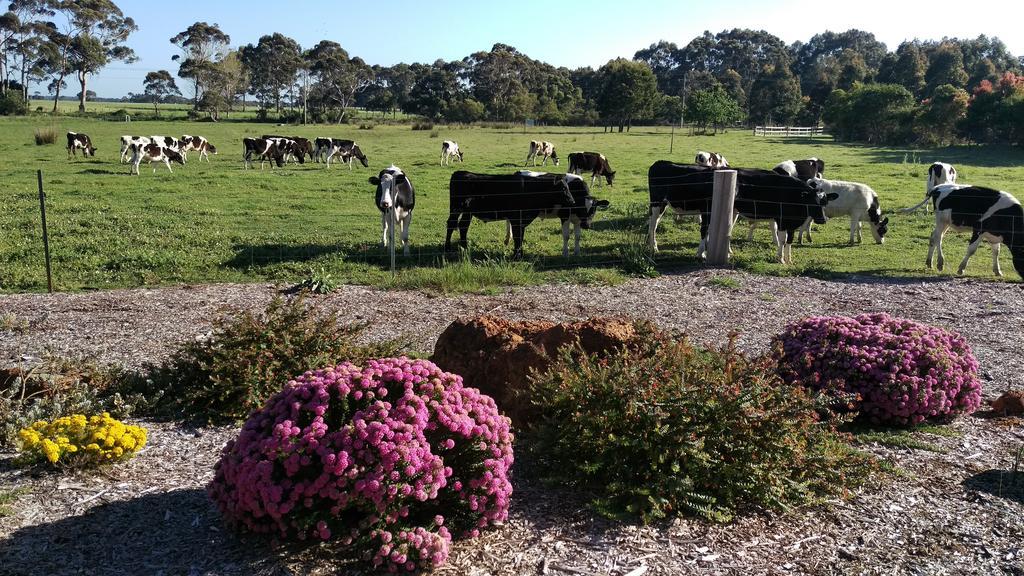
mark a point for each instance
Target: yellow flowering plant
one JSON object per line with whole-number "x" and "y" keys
{"x": 78, "y": 440}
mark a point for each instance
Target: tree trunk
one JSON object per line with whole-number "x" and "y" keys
{"x": 155, "y": 109}
{"x": 56, "y": 93}
{"x": 81, "y": 100}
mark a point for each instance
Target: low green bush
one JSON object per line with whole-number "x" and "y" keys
{"x": 668, "y": 428}
{"x": 11, "y": 104}
{"x": 249, "y": 357}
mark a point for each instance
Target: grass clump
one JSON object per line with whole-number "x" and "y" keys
{"x": 250, "y": 356}
{"x": 667, "y": 428}
{"x": 45, "y": 136}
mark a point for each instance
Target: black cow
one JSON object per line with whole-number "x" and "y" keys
{"x": 76, "y": 141}
{"x": 990, "y": 215}
{"x": 520, "y": 198}
{"x": 265, "y": 149}
{"x": 802, "y": 169}
{"x": 395, "y": 189}
{"x": 760, "y": 194}
{"x": 592, "y": 162}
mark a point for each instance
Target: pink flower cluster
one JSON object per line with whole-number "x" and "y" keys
{"x": 390, "y": 460}
{"x": 897, "y": 371}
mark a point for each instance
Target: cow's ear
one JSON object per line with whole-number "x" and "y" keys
{"x": 832, "y": 196}
{"x": 884, "y": 222}
{"x": 401, "y": 179}
{"x": 374, "y": 180}
{"x": 602, "y": 204}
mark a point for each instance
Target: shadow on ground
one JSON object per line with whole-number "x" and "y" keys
{"x": 1002, "y": 483}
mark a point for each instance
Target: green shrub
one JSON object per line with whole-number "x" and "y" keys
{"x": 45, "y": 136}
{"x": 249, "y": 357}
{"x": 318, "y": 281}
{"x": 668, "y": 428}
{"x": 11, "y": 104}
{"x": 422, "y": 125}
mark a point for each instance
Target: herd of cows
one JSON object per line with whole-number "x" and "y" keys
{"x": 787, "y": 198}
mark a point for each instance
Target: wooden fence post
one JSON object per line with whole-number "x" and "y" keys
{"x": 720, "y": 230}
{"x": 46, "y": 234}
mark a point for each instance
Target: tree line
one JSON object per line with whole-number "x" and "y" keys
{"x": 932, "y": 91}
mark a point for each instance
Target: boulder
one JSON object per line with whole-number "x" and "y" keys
{"x": 496, "y": 355}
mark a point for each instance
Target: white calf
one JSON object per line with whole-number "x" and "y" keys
{"x": 855, "y": 200}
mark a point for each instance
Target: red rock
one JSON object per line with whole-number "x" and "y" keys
{"x": 1011, "y": 403}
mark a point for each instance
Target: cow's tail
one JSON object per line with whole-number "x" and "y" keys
{"x": 913, "y": 209}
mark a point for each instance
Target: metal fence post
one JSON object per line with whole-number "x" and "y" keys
{"x": 46, "y": 235}
{"x": 393, "y": 219}
{"x": 722, "y": 200}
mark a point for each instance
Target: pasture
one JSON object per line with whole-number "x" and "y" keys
{"x": 219, "y": 223}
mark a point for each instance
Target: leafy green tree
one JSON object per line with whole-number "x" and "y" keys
{"x": 662, "y": 58}
{"x": 712, "y": 107}
{"x": 158, "y": 86}
{"x": 946, "y": 66}
{"x": 628, "y": 91}
{"x": 338, "y": 77}
{"x": 907, "y": 68}
{"x": 775, "y": 96}
{"x": 433, "y": 91}
{"x": 941, "y": 113}
{"x": 202, "y": 45}
{"x": 852, "y": 69}
{"x": 465, "y": 110}
{"x": 875, "y": 113}
{"x": 272, "y": 65}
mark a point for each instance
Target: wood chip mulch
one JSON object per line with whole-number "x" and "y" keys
{"x": 953, "y": 511}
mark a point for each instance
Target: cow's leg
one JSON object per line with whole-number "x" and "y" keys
{"x": 576, "y": 233}
{"x": 705, "y": 226}
{"x": 168, "y": 163}
{"x": 750, "y": 233}
{"x": 464, "y": 222}
{"x": 517, "y": 239}
{"x": 780, "y": 242}
{"x": 385, "y": 221}
{"x": 935, "y": 243}
{"x": 565, "y": 238}
{"x": 442, "y": 158}
{"x": 789, "y": 246}
{"x": 453, "y": 220}
{"x": 508, "y": 232}
{"x": 972, "y": 247}
{"x": 406, "y": 223}
{"x": 995, "y": 259}
{"x": 652, "y": 225}
{"x": 854, "y": 229}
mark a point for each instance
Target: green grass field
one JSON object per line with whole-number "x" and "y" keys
{"x": 219, "y": 223}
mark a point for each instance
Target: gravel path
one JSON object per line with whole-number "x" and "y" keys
{"x": 948, "y": 512}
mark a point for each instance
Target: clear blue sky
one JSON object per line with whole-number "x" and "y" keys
{"x": 571, "y": 34}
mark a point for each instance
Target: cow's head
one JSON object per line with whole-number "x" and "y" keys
{"x": 940, "y": 173}
{"x": 590, "y": 207}
{"x": 362, "y": 157}
{"x": 211, "y": 148}
{"x": 817, "y": 207}
{"x": 819, "y": 166}
{"x": 387, "y": 183}
{"x": 879, "y": 225}
{"x": 554, "y": 156}
{"x": 90, "y": 148}
{"x": 609, "y": 177}
{"x": 702, "y": 159}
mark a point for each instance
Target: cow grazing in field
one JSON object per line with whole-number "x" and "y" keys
{"x": 265, "y": 149}
{"x": 570, "y": 221}
{"x": 802, "y": 169}
{"x": 167, "y": 142}
{"x": 855, "y": 200}
{"x": 710, "y": 159}
{"x": 395, "y": 190}
{"x": 760, "y": 194}
{"x": 293, "y": 146}
{"x": 345, "y": 150}
{"x": 989, "y": 215}
{"x": 592, "y": 162}
{"x": 126, "y": 146}
{"x": 153, "y": 153}
{"x": 78, "y": 141}
{"x": 541, "y": 148}
{"x": 449, "y": 150}
{"x": 198, "y": 144}
{"x": 520, "y": 198}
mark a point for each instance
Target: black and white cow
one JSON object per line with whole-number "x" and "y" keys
{"x": 168, "y": 142}
{"x": 345, "y": 150}
{"x": 394, "y": 189}
{"x": 802, "y": 169}
{"x": 126, "y": 146}
{"x": 265, "y": 149}
{"x": 449, "y": 150}
{"x": 710, "y": 159}
{"x": 80, "y": 141}
{"x": 556, "y": 212}
{"x": 198, "y": 144}
{"x": 592, "y": 162}
{"x": 520, "y": 198}
{"x": 989, "y": 215}
{"x": 541, "y": 148}
{"x": 855, "y": 200}
{"x": 153, "y": 153}
{"x": 760, "y": 194}
{"x": 293, "y": 147}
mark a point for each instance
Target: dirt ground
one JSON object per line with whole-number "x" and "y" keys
{"x": 951, "y": 511}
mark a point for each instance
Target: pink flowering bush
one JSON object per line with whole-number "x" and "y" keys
{"x": 389, "y": 461}
{"x": 891, "y": 370}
